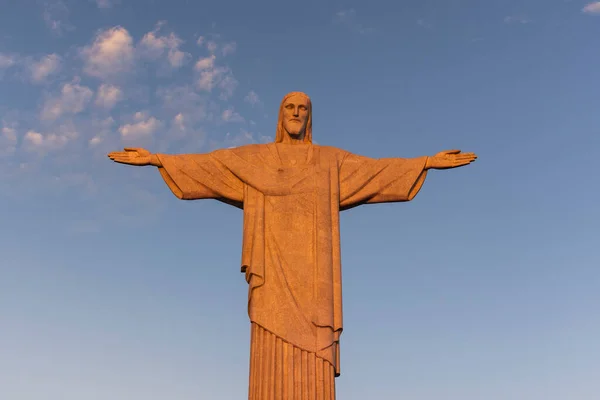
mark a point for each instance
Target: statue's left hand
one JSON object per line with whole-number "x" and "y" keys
{"x": 450, "y": 159}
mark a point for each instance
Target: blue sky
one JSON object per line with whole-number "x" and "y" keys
{"x": 484, "y": 287}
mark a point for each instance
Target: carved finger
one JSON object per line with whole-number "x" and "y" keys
{"x": 120, "y": 154}
{"x": 461, "y": 163}
{"x": 131, "y": 149}
{"x": 122, "y": 159}
{"x": 466, "y": 159}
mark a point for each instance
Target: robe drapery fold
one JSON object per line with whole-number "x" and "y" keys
{"x": 291, "y": 196}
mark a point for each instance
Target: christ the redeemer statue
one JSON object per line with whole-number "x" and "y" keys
{"x": 291, "y": 193}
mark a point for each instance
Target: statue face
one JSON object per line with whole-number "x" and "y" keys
{"x": 295, "y": 115}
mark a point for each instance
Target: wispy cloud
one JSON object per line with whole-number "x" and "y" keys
{"x": 229, "y": 48}
{"x": 592, "y": 8}
{"x": 184, "y": 99}
{"x": 81, "y": 113}
{"x": 516, "y": 19}
{"x": 348, "y": 18}
{"x": 252, "y": 98}
{"x": 211, "y": 75}
{"x": 108, "y": 96}
{"x": 7, "y": 60}
{"x": 56, "y": 16}
{"x": 144, "y": 125}
{"x": 106, "y": 3}
{"x": 155, "y": 46}
{"x": 179, "y": 122}
{"x": 73, "y": 99}
{"x": 50, "y": 141}
{"x": 36, "y": 70}
{"x": 45, "y": 67}
{"x": 230, "y": 115}
{"x": 423, "y": 23}
{"x": 101, "y": 129}
{"x": 241, "y": 138}
{"x": 209, "y": 44}
{"x": 8, "y": 139}
{"x": 110, "y": 54}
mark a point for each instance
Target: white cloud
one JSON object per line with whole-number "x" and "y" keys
{"x": 211, "y": 76}
{"x": 179, "y": 122}
{"x": 36, "y": 141}
{"x": 145, "y": 126}
{"x": 9, "y": 134}
{"x": 154, "y": 46}
{"x": 180, "y": 126}
{"x": 205, "y": 63}
{"x": 7, "y": 60}
{"x": 252, "y": 98}
{"x": 110, "y": 54}
{"x": 177, "y": 57}
{"x": 45, "y": 67}
{"x": 108, "y": 95}
{"x": 516, "y": 19}
{"x": 592, "y": 8}
{"x": 35, "y": 138}
{"x": 229, "y": 115}
{"x": 72, "y": 100}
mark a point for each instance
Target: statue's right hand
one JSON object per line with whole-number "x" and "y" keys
{"x": 131, "y": 156}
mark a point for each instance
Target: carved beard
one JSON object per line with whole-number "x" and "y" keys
{"x": 295, "y": 131}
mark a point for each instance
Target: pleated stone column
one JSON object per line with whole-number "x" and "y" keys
{"x": 281, "y": 371}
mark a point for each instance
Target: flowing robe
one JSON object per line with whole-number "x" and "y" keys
{"x": 291, "y": 196}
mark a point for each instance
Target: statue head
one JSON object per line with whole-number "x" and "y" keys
{"x": 295, "y": 118}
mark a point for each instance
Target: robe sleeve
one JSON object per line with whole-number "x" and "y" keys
{"x": 201, "y": 176}
{"x": 365, "y": 180}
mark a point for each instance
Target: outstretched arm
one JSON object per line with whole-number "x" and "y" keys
{"x": 365, "y": 180}
{"x": 189, "y": 176}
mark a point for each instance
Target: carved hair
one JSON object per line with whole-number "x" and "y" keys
{"x": 279, "y": 135}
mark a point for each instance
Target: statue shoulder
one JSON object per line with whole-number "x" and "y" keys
{"x": 245, "y": 152}
{"x": 330, "y": 151}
